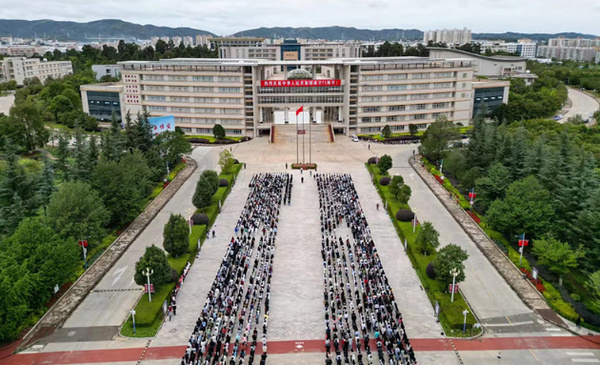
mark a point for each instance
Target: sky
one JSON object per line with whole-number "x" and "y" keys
{"x": 225, "y": 17}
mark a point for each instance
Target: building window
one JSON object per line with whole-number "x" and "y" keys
{"x": 420, "y": 86}
{"x": 395, "y": 108}
{"x": 153, "y": 108}
{"x": 367, "y": 99}
{"x": 372, "y": 88}
{"x": 391, "y": 118}
{"x": 421, "y": 76}
{"x": 396, "y": 97}
{"x": 178, "y": 78}
{"x": 371, "y": 109}
{"x": 202, "y": 78}
{"x": 229, "y": 79}
{"x": 396, "y": 77}
{"x": 397, "y": 127}
{"x": 396, "y": 87}
{"x": 420, "y": 116}
{"x": 372, "y": 77}
{"x": 229, "y": 89}
{"x": 155, "y": 98}
{"x": 366, "y": 119}
{"x": 205, "y": 110}
{"x": 200, "y": 89}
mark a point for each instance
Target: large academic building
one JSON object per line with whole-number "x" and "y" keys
{"x": 248, "y": 96}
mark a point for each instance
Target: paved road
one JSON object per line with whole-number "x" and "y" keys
{"x": 101, "y": 313}
{"x": 491, "y": 297}
{"x": 581, "y": 103}
{"x": 6, "y": 103}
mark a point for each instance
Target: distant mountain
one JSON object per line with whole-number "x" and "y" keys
{"x": 118, "y": 29}
{"x": 334, "y": 33}
{"x": 107, "y": 28}
{"x": 538, "y": 37}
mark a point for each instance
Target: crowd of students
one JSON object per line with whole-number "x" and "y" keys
{"x": 361, "y": 312}
{"x": 234, "y": 318}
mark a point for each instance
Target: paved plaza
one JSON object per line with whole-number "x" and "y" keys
{"x": 296, "y": 320}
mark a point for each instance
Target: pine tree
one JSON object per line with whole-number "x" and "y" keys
{"x": 80, "y": 168}
{"x": 11, "y": 215}
{"x": 62, "y": 154}
{"x": 45, "y": 185}
{"x": 92, "y": 153}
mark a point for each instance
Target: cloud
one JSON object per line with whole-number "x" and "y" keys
{"x": 230, "y": 16}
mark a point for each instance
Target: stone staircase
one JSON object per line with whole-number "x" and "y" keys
{"x": 286, "y": 133}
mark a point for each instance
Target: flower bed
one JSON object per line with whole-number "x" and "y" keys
{"x": 474, "y": 216}
{"x": 304, "y": 166}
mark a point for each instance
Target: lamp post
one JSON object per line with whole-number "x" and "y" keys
{"x": 133, "y": 319}
{"x": 149, "y": 272}
{"x": 465, "y": 312}
{"x": 454, "y": 273}
{"x": 415, "y": 211}
{"x": 442, "y": 170}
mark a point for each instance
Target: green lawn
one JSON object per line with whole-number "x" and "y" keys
{"x": 451, "y": 317}
{"x": 211, "y": 139}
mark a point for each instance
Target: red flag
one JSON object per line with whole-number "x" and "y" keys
{"x": 299, "y": 110}
{"x": 83, "y": 243}
{"x": 523, "y": 243}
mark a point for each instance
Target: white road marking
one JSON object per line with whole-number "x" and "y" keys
{"x": 586, "y": 360}
{"x": 508, "y": 324}
{"x": 412, "y": 176}
{"x": 118, "y": 274}
{"x": 580, "y": 353}
{"x": 553, "y": 329}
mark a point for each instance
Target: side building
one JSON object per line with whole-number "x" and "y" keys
{"x": 354, "y": 95}
{"x": 22, "y": 68}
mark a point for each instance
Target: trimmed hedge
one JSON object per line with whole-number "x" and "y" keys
{"x": 200, "y": 219}
{"x": 384, "y": 181}
{"x": 405, "y": 215}
{"x": 373, "y": 160}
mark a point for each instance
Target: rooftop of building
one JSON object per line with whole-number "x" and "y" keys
{"x": 108, "y": 86}
{"x": 475, "y": 55}
{"x": 263, "y": 62}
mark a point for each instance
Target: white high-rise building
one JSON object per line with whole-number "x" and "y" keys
{"x": 448, "y": 36}
{"x": 21, "y": 69}
{"x": 188, "y": 41}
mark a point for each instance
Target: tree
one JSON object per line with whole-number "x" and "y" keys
{"x": 494, "y": 185}
{"x": 557, "y": 256}
{"x": 384, "y": 164}
{"x": 404, "y": 195}
{"x": 113, "y": 141}
{"x": 63, "y": 154}
{"x": 386, "y": 132}
{"x": 45, "y": 185}
{"x": 527, "y": 208}
{"x": 76, "y": 211}
{"x": 60, "y": 105}
{"x": 219, "y": 131}
{"x": 123, "y": 186}
{"x": 176, "y": 237}
{"x": 26, "y": 126}
{"x": 225, "y": 161}
{"x": 172, "y": 146}
{"x": 154, "y": 259}
{"x": 212, "y": 177}
{"x": 395, "y": 185}
{"x": 413, "y": 129}
{"x": 436, "y": 139}
{"x": 428, "y": 238}
{"x": 203, "y": 195}
{"x": 450, "y": 257}
{"x": 593, "y": 284}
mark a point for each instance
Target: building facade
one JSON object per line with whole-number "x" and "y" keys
{"x": 21, "y": 69}
{"x": 448, "y": 36}
{"x": 289, "y": 49}
{"x": 579, "y": 54}
{"x": 107, "y": 70}
{"x": 102, "y": 100}
{"x": 357, "y": 95}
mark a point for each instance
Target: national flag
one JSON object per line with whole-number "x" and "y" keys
{"x": 523, "y": 243}
{"x": 299, "y": 110}
{"x": 83, "y": 243}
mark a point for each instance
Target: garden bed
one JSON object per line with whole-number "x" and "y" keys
{"x": 304, "y": 166}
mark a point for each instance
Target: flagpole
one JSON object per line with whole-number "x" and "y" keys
{"x": 309, "y": 140}
{"x": 303, "y": 134}
{"x": 297, "y": 147}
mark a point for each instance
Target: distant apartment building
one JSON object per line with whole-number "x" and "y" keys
{"x": 188, "y": 41}
{"x": 107, "y": 70}
{"x": 289, "y": 49}
{"x": 22, "y": 68}
{"x": 448, "y": 36}
{"x": 248, "y": 96}
{"x": 573, "y": 49}
{"x": 525, "y": 49}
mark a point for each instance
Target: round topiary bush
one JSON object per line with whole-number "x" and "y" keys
{"x": 384, "y": 181}
{"x": 404, "y": 215}
{"x": 223, "y": 183}
{"x": 235, "y": 162}
{"x": 430, "y": 271}
{"x": 200, "y": 219}
{"x": 373, "y": 160}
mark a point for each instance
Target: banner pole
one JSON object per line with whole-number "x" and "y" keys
{"x": 309, "y": 140}
{"x": 297, "y": 147}
{"x": 303, "y": 134}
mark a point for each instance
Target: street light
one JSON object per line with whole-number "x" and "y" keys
{"x": 454, "y": 273}
{"x": 149, "y": 272}
{"x": 465, "y": 312}
{"x": 133, "y": 319}
{"x": 415, "y": 211}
